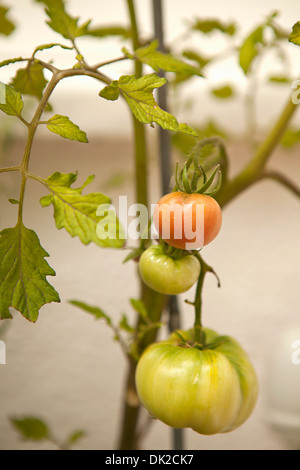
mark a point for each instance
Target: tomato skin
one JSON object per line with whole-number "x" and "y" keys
{"x": 166, "y": 223}
{"x": 165, "y": 274}
{"x": 210, "y": 390}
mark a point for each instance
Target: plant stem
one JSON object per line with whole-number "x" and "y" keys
{"x": 9, "y": 168}
{"x": 253, "y": 171}
{"x": 135, "y": 35}
{"x": 32, "y": 127}
{"x": 204, "y": 269}
{"x": 154, "y": 302}
{"x": 141, "y": 178}
{"x": 198, "y": 305}
{"x": 283, "y": 180}
{"x": 108, "y": 62}
{"x": 131, "y": 410}
{"x": 129, "y": 433}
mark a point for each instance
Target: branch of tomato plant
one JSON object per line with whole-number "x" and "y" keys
{"x": 254, "y": 170}
{"x": 32, "y": 127}
{"x": 281, "y": 179}
{"x": 251, "y": 94}
{"x": 57, "y": 76}
{"x": 197, "y": 303}
{"x": 108, "y": 62}
{"x": 9, "y": 168}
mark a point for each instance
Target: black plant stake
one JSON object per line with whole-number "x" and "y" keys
{"x": 165, "y": 164}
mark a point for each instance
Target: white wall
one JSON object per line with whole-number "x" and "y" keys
{"x": 65, "y": 368}
{"x": 94, "y": 114}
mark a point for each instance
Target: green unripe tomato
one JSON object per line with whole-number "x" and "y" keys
{"x": 211, "y": 390}
{"x": 165, "y": 274}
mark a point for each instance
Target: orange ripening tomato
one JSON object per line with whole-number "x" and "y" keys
{"x": 187, "y": 221}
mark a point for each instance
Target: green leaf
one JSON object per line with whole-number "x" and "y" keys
{"x": 223, "y": 92}
{"x": 95, "y": 311}
{"x": 6, "y": 26}
{"x": 124, "y": 324}
{"x": 68, "y": 26}
{"x": 43, "y": 47}
{"x": 52, "y": 3}
{"x": 135, "y": 253}
{"x": 185, "y": 143}
{"x": 75, "y": 436}
{"x": 11, "y": 61}
{"x": 250, "y": 48}
{"x": 280, "y": 79}
{"x": 13, "y": 201}
{"x": 138, "y": 92}
{"x": 64, "y": 24}
{"x": 211, "y": 129}
{"x": 23, "y": 272}
{"x": 140, "y": 308}
{"x": 160, "y": 61}
{"x": 79, "y": 214}
{"x": 209, "y": 25}
{"x": 31, "y": 428}
{"x": 62, "y": 126}
{"x": 103, "y": 32}
{"x": 30, "y": 80}
{"x": 278, "y": 31}
{"x": 11, "y": 101}
{"x": 110, "y": 92}
{"x": 145, "y": 329}
{"x": 294, "y": 37}
{"x": 196, "y": 57}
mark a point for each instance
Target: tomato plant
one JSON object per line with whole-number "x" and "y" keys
{"x": 216, "y": 389}
{"x": 166, "y": 274}
{"x": 211, "y": 388}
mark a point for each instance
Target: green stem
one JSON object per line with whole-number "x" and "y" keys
{"x": 135, "y": 35}
{"x": 265, "y": 150}
{"x": 198, "y": 305}
{"x": 36, "y": 120}
{"x": 281, "y": 179}
{"x": 204, "y": 269}
{"x": 9, "y": 168}
{"x": 32, "y": 127}
{"x": 108, "y": 62}
{"x": 140, "y": 145}
{"x": 129, "y": 437}
{"x": 141, "y": 163}
{"x": 154, "y": 302}
{"x": 253, "y": 171}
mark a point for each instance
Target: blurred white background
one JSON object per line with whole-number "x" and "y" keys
{"x": 66, "y": 368}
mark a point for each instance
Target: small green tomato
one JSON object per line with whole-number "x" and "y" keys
{"x": 167, "y": 275}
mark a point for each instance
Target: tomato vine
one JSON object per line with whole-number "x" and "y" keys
{"x": 23, "y": 268}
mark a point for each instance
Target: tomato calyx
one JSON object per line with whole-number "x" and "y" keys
{"x": 176, "y": 253}
{"x": 184, "y": 343}
{"x": 192, "y": 178}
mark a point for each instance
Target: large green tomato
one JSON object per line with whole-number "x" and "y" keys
{"x": 165, "y": 274}
{"x": 211, "y": 390}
